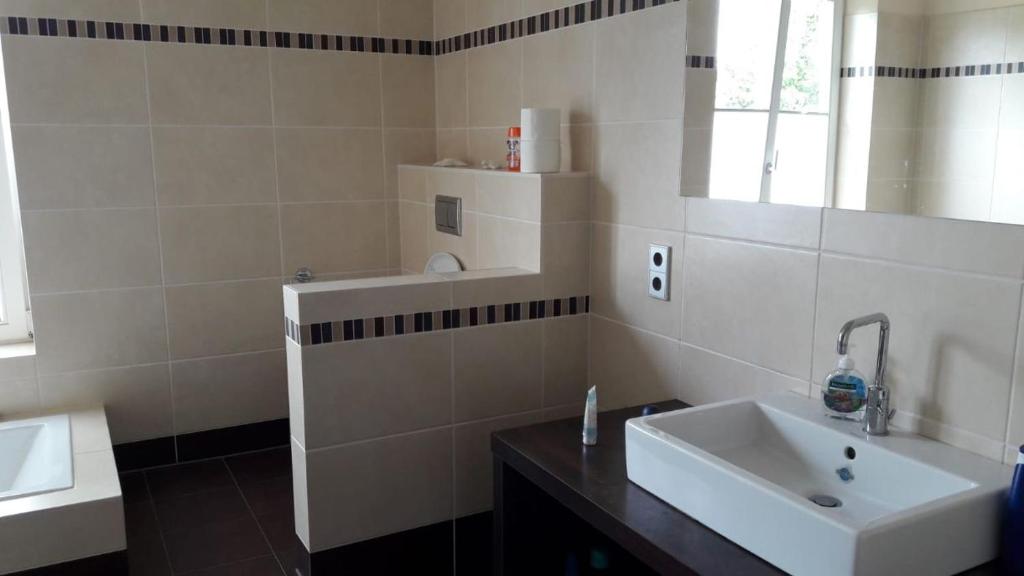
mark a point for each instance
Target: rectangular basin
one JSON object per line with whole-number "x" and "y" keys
{"x": 35, "y": 456}
{"x": 755, "y": 470}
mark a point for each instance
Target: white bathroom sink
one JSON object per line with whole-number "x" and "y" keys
{"x": 749, "y": 468}
{"x": 35, "y": 456}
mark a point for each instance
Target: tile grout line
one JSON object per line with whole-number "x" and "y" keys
{"x": 156, "y": 518}
{"x": 255, "y": 518}
{"x": 159, "y": 241}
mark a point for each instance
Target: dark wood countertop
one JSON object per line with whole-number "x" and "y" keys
{"x": 592, "y": 483}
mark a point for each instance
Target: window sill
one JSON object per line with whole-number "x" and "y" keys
{"x": 17, "y": 350}
{"x": 17, "y": 361}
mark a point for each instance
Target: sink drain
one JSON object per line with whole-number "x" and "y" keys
{"x": 826, "y": 501}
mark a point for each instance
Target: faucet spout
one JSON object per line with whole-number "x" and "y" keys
{"x": 876, "y": 414}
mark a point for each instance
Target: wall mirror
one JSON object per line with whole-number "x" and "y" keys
{"x": 901, "y": 106}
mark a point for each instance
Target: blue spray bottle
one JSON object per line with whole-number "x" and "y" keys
{"x": 1013, "y": 530}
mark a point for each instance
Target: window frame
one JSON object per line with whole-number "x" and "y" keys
{"x": 775, "y": 103}
{"x": 15, "y": 318}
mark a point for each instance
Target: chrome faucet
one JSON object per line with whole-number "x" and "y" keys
{"x": 876, "y": 413}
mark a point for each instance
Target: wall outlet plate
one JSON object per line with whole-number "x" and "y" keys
{"x": 659, "y": 258}
{"x": 659, "y": 264}
{"x": 657, "y": 286}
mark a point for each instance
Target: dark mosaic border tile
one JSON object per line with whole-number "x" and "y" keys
{"x": 432, "y": 321}
{"x": 969, "y": 70}
{"x": 171, "y": 34}
{"x": 582, "y": 13}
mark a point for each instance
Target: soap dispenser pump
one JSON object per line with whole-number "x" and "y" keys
{"x": 843, "y": 390}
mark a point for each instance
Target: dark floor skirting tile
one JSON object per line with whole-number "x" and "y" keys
{"x": 201, "y": 445}
{"x": 113, "y": 564}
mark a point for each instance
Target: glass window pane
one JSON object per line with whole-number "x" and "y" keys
{"x": 807, "y": 78}
{"x": 737, "y": 155}
{"x": 801, "y": 141}
{"x": 747, "y": 38}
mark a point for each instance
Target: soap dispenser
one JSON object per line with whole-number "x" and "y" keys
{"x": 843, "y": 391}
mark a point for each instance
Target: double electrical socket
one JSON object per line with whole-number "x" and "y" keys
{"x": 659, "y": 263}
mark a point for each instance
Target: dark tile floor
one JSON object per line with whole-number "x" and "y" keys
{"x": 222, "y": 517}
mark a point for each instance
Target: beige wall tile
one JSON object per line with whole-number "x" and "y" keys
{"x": 106, "y": 10}
{"x": 707, "y": 377}
{"x": 503, "y": 243}
{"x": 449, "y": 18}
{"x": 394, "y": 230}
{"x": 83, "y": 166}
{"x": 948, "y": 329}
{"x": 137, "y": 398}
{"x": 372, "y": 388}
{"x": 408, "y": 88}
{"x": 566, "y": 346}
{"x": 509, "y": 195}
{"x": 474, "y": 467}
{"x": 751, "y": 302}
{"x": 331, "y": 238}
{"x": 958, "y": 245}
{"x": 406, "y": 146}
{"x": 350, "y": 17}
{"x": 494, "y": 80}
{"x": 645, "y": 48}
{"x": 324, "y": 164}
{"x": 412, "y": 184}
{"x": 769, "y": 223}
{"x": 222, "y": 13}
{"x": 85, "y": 82}
{"x": 561, "y": 72}
{"x": 313, "y": 88}
{"x": 534, "y": 7}
{"x": 91, "y": 249}
{"x": 630, "y": 366}
{"x": 566, "y": 259}
{"x": 211, "y": 243}
{"x": 400, "y": 296}
{"x": 229, "y": 391}
{"x": 89, "y": 330}
{"x": 451, "y": 90}
{"x": 484, "y": 13}
{"x": 1015, "y": 427}
{"x": 497, "y": 370}
{"x": 458, "y": 183}
{"x": 208, "y": 165}
{"x": 414, "y": 220}
{"x": 637, "y": 174}
{"x": 619, "y": 276}
{"x": 700, "y": 96}
{"x": 19, "y": 396}
{"x": 413, "y": 19}
{"x": 224, "y": 318}
{"x": 487, "y": 145}
{"x": 702, "y": 27}
{"x": 577, "y": 148}
{"x": 697, "y": 158}
{"x": 566, "y": 199}
{"x": 222, "y": 85}
{"x": 496, "y": 288}
{"x": 369, "y": 489}
{"x": 452, "y": 144}
{"x": 464, "y": 247}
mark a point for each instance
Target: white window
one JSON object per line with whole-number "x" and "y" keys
{"x": 773, "y": 126}
{"x": 14, "y": 317}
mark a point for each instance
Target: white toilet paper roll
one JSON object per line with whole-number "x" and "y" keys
{"x": 540, "y": 123}
{"x": 540, "y": 156}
